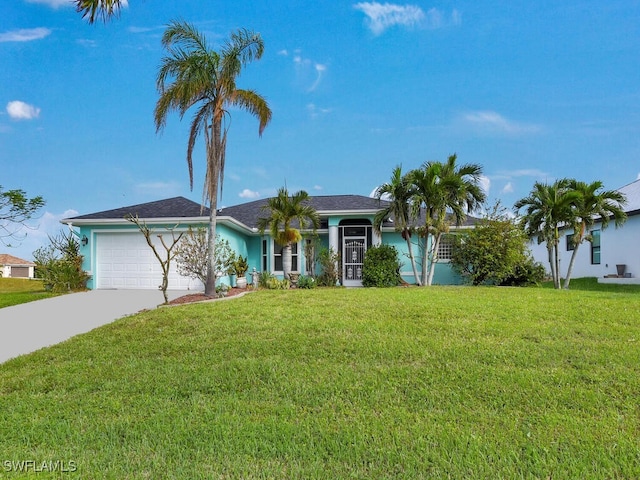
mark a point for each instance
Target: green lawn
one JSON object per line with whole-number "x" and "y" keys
{"x": 440, "y": 382}
{"x": 14, "y": 291}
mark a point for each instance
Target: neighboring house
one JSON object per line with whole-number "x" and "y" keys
{"x": 14, "y": 267}
{"x": 116, "y": 254}
{"x": 608, "y": 249}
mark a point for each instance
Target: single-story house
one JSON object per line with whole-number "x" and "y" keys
{"x": 609, "y": 248}
{"x": 116, "y": 254}
{"x": 14, "y": 267}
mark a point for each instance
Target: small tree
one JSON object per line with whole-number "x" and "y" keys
{"x": 192, "y": 255}
{"x": 381, "y": 267}
{"x": 59, "y": 264}
{"x": 169, "y": 250}
{"x": 15, "y": 209}
{"x": 494, "y": 251}
{"x": 329, "y": 261}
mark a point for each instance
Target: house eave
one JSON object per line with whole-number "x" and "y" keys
{"x": 79, "y": 222}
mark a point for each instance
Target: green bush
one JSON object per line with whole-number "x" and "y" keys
{"x": 527, "y": 273}
{"x": 329, "y": 261}
{"x": 306, "y": 282}
{"x": 381, "y": 267}
{"x": 59, "y": 265}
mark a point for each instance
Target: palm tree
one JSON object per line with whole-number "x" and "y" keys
{"x": 105, "y": 9}
{"x": 283, "y": 211}
{"x": 592, "y": 205}
{"x": 399, "y": 192}
{"x": 547, "y": 207}
{"x": 444, "y": 192}
{"x": 193, "y": 75}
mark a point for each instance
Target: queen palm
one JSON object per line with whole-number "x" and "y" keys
{"x": 285, "y": 211}
{"x": 193, "y": 75}
{"x": 105, "y": 9}
{"x": 591, "y": 205}
{"x": 399, "y": 193}
{"x": 445, "y": 193}
{"x": 547, "y": 208}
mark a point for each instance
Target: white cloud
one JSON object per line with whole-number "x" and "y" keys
{"x": 53, "y": 3}
{"x": 317, "y": 188}
{"x": 308, "y": 71}
{"x": 492, "y": 122}
{"x": 320, "y": 69}
{"x": 315, "y": 111}
{"x": 508, "y": 188}
{"x": 246, "y": 193}
{"x": 85, "y": 42}
{"x": 24, "y": 35}
{"x": 525, "y": 172}
{"x": 382, "y": 16}
{"x": 485, "y": 184}
{"x": 638, "y": 177}
{"x": 22, "y": 111}
{"x": 283, "y": 52}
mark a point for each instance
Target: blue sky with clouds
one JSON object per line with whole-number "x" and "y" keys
{"x": 529, "y": 90}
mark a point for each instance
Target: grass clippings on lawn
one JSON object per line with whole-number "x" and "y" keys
{"x": 442, "y": 382}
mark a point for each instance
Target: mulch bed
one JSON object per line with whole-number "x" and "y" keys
{"x": 201, "y": 297}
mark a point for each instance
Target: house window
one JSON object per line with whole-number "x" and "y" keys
{"x": 265, "y": 254}
{"x": 570, "y": 243}
{"x": 445, "y": 247}
{"x": 277, "y": 257}
{"x": 595, "y": 247}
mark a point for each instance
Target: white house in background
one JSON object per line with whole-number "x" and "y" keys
{"x": 609, "y": 249}
{"x": 14, "y": 267}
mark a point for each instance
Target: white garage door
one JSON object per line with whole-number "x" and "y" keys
{"x": 124, "y": 260}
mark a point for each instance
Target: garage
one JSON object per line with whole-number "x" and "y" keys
{"x": 124, "y": 260}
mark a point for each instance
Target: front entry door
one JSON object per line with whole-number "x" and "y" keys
{"x": 353, "y": 249}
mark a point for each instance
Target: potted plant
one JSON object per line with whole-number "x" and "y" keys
{"x": 241, "y": 266}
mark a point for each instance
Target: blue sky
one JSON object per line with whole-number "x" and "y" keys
{"x": 529, "y": 90}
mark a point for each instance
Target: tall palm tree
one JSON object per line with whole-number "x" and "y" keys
{"x": 105, "y": 9}
{"x": 445, "y": 193}
{"x": 592, "y": 205}
{"x": 547, "y": 208}
{"x": 284, "y": 210}
{"x": 193, "y": 75}
{"x": 399, "y": 192}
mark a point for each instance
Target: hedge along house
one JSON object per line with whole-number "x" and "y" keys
{"x": 116, "y": 254}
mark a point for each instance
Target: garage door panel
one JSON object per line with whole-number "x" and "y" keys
{"x": 124, "y": 260}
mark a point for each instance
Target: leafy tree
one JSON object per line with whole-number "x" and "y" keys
{"x": 192, "y": 255}
{"x": 399, "y": 192}
{"x": 194, "y": 75}
{"x": 329, "y": 260}
{"x": 16, "y": 209}
{"x": 495, "y": 251}
{"x": 590, "y": 205}
{"x": 104, "y": 9}
{"x": 445, "y": 193}
{"x": 60, "y": 264}
{"x": 546, "y": 209}
{"x": 381, "y": 267}
{"x": 285, "y": 211}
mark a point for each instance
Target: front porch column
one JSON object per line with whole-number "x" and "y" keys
{"x": 334, "y": 238}
{"x": 376, "y": 238}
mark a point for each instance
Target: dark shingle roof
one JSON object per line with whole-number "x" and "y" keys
{"x": 176, "y": 207}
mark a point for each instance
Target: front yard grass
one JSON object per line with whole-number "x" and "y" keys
{"x": 440, "y": 382}
{"x": 14, "y": 291}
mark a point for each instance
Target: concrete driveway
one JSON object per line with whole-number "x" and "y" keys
{"x": 31, "y": 326}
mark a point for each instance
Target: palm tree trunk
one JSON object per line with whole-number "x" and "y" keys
{"x": 425, "y": 259}
{"x": 434, "y": 258}
{"x": 551, "y": 263}
{"x": 557, "y": 263}
{"x": 213, "y": 175}
{"x": 286, "y": 260}
{"x": 570, "y": 269}
{"x": 413, "y": 261}
{"x": 210, "y": 285}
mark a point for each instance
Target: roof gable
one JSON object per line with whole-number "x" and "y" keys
{"x": 6, "y": 259}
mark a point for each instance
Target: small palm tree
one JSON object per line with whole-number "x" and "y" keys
{"x": 591, "y": 205}
{"x": 105, "y": 9}
{"x": 399, "y": 192}
{"x": 547, "y": 208}
{"x": 284, "y": 210}
{"x": 444, "y": 192}
{"x": 193, "y": 75}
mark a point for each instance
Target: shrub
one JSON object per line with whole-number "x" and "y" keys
{"x": 264, "y": 278}
{"x": 306, "y": 282}
{"x": 527, "y": 273}
{"x": 329, "y": 261}
{"x": 381, "y": 267}
{"x": 192, "y": 254}
{"x": 60, "y": 264}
